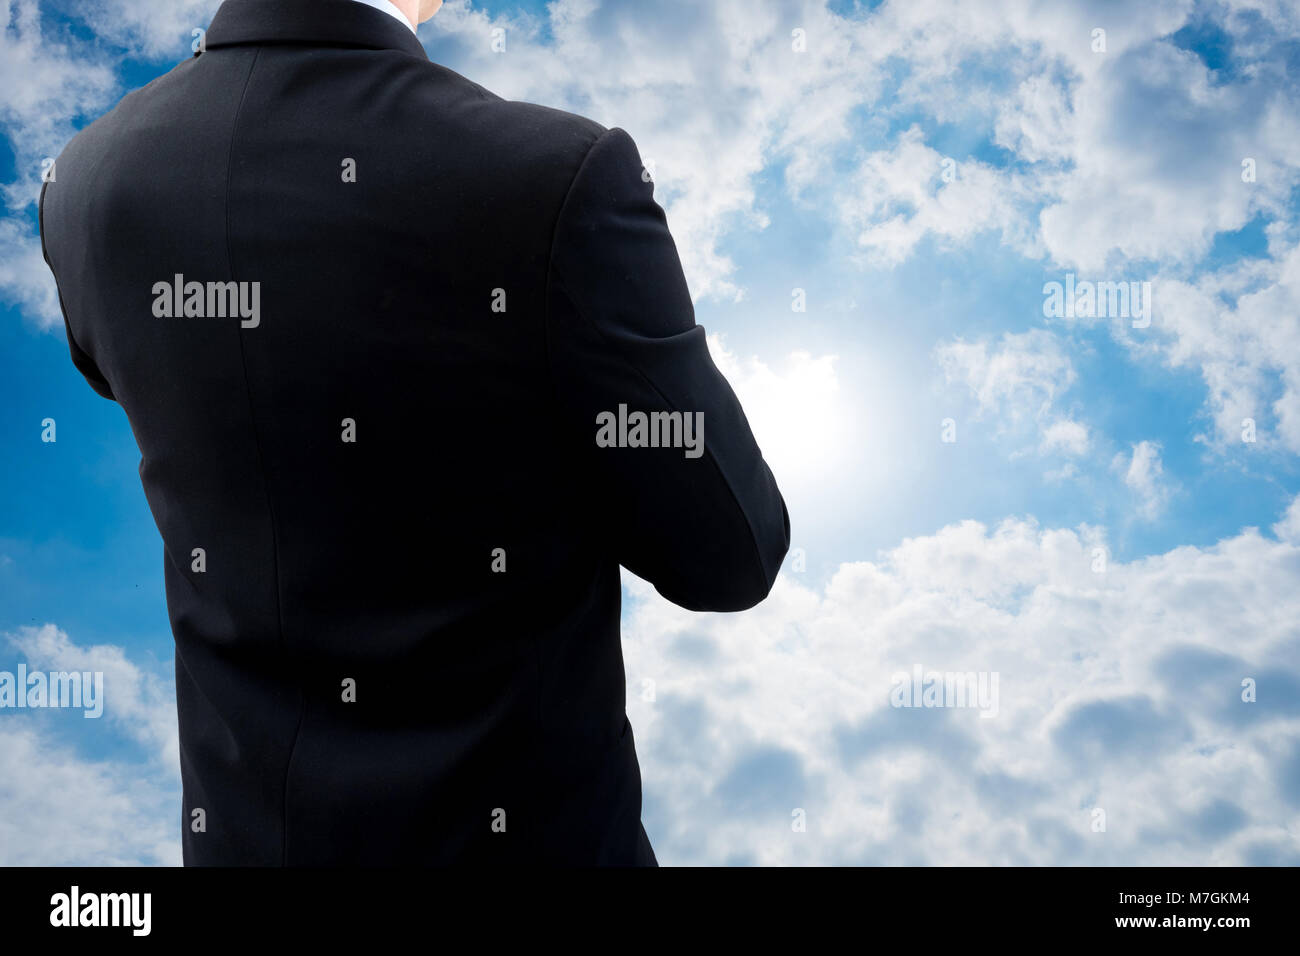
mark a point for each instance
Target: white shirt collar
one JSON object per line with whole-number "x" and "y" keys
{"x": 391, "y": 9}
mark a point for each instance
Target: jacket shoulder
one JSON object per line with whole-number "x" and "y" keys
{"x": 529, "y": 131}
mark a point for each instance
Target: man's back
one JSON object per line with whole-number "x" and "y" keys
{"x": 391, "y": 535}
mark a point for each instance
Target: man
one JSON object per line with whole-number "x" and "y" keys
{"x": 413, "y": 370}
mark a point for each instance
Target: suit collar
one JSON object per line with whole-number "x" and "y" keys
{"x": 325, "y": 22}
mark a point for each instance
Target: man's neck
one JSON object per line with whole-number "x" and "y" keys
{"x": 410, "y": 9}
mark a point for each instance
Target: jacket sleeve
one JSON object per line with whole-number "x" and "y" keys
{"x": 705, "y": 525}
{"x": 83, "y": 362}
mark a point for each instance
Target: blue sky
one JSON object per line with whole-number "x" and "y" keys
{"x": 821, "y": 169}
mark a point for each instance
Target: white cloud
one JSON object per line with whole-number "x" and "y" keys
{"x": 1016, "y": 378}
{"x": 1143, "y": 190}
{"x": 1288, "y": 528}
{"x": 1110, "y": 180}
{"x": 1035, "y": 122}
{"x": 140, "y": 703}
{"x": 24, "y": 278}
{"x": 155, "y": 30}
{"x": 61, "y": 807}
{"x": 898, "y": 196}
{"x": 1241, "y": 328}
{"x": 1118, "y": 690}
{"x": 1018, "y": 382}
{"x": 44, "y": 86}
{"x": 1143, "y": 472}
{"x": 1065, "y": 436}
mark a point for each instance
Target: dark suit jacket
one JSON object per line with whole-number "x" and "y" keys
{"x": 399, "y": 642}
